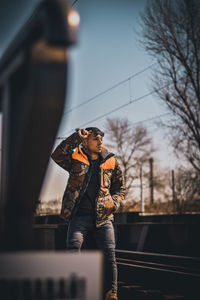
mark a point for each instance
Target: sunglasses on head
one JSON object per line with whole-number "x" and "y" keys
{"x": 96, "y": 131}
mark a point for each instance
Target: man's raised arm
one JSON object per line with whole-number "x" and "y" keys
{"x": 62, "y": 155}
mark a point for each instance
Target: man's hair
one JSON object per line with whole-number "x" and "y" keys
{"x": 95, "y": 130}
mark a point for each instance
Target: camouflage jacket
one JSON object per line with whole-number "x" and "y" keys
{"x": 70, "y": 156}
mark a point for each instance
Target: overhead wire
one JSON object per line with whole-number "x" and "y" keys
{"x": 135, "y": 123}
{"x": 151, "y": 119}
{"x": 116, "y": 109}
{"x": 74, "y": 2}
{"x": 109, "y": 89}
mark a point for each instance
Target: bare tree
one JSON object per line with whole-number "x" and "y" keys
{"x": 171, "y": 31}
{"x": 187, "y": 190}
{"x": 133, "y": 146}
{"x": 162, "y": 184}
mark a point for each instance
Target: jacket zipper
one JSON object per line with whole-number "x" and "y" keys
{"x": 86, "y": 182}
{"x": 95, "y": 202}
{"x": 101, "y": 175}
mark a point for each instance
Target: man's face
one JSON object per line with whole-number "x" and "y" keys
{"x": 94, "y": 143}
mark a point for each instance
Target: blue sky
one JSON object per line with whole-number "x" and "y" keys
{"x": 108, "y": 51}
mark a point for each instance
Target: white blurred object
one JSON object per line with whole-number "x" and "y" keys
{"x": 73, "y": 20}
{"x": 79, "y": 274}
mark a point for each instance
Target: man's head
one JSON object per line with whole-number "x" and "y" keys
{"x": 96, "y": 131}
{"x": 93, "y": 143}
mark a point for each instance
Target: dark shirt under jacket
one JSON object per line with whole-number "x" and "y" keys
{"x": 87, "y": 202}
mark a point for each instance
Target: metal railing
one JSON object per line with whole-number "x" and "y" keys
{"x": 181, "y": 273}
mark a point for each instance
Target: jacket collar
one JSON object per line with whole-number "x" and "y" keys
{"x": 105, "y": 163}
{"x": 105, "y": 153}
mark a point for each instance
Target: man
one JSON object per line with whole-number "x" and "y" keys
{"x": 94, "y": 191}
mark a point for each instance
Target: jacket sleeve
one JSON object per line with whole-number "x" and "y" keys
{"x": 62, "y": 155}
{"x": 117, "y": 189}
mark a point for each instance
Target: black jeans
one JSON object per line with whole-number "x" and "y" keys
{"x": 104, "y": 235}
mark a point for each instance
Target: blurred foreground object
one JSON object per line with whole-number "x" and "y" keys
{"x": 33, "y": 78}
{"x": 50, "y": 275}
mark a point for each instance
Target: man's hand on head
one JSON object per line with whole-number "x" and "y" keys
{"x": 84, "y": 133}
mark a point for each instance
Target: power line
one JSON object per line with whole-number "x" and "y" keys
{"x": 151, "y": 119}
{"x": 74, "y": 2}
{"x": 139, "y": 122}
{"x": 109, "y": 89}
{"x": 116, "y": 109}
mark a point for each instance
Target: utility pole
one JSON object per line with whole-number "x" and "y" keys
{"x": 141, "y": 191}
{"x": 173, "y": 191}
{"x": 151, "y": 187}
